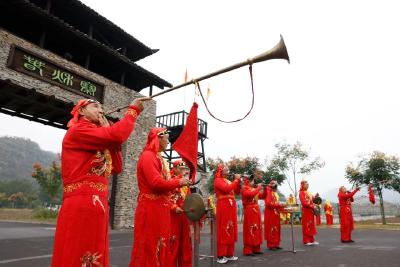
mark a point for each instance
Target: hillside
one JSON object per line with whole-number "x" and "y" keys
{"x": 17, "y": 155}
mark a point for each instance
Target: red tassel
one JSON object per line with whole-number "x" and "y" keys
{"x": 371, "y": 195}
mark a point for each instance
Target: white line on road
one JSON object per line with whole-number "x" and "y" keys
{"x": 26, "y": 259}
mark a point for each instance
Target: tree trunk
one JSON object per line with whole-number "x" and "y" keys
{"x": 295, "y": 186}
{"x": 381, "y": 205}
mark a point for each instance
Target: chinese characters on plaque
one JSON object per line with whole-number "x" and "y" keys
{"x": 36, "y": 66}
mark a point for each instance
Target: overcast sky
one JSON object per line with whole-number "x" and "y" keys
{"x": 338, "y": 97}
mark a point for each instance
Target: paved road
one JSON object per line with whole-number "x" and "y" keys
{"x": 23, "y": 244}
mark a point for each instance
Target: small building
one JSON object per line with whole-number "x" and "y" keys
{"x": 54, "y": 52}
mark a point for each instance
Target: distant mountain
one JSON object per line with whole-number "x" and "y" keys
{"x": 362, "y": 196}
{"x": 17, "y": 155}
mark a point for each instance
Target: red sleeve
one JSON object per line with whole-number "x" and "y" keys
{"x": 263, "y": 195}
{"x": 99, "y": 138}
{"x": 152, "y": 174}
{"x": 247, "y": 191}
{"x": 345, "y": 196}
{"x": 269, "y": 202}
{"x": 224, "y": 187}
{"x": 304, "y": 201}
{"x": 116, "y": 156}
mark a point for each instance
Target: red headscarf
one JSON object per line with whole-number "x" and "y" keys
{"x": 272, "y": 183}
{"x": 75, "y": 111}
{"x": 218, "y": 173}
{"x": 176, "y": 163}
{"x": 302, "y": 185}
{"x": 152, "y": 139}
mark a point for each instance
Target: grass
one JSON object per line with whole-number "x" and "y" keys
{"x": 23, "y": 215}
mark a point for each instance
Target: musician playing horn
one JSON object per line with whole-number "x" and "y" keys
{"x": 252, "y": 229}
{"x": 227, "y": 230}
{"x": 346, "y": 214}
{"x": 180, "y": 243}
{"x": 307, "y": 217}
{"x": 152, "y": 215}
{"x": 272, "y": 216}
{"x": 90, "y": 154}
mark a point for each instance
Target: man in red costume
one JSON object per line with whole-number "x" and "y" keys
{"x": 346, "y": 214}
{"x": 90, "y": 154}
{"x": 328, "y": 213}
{"x": 272, "y": 217}
{"x": 152, "y": 226}
{"x": 307, "y": 216}
{"x": 225, "y": 191}
{"x": 180, "y": 250}
{"x": 252, "y": 229}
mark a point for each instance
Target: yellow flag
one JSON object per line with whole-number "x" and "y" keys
{"x": 208, "y": 92}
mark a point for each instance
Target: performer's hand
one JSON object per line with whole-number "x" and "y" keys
{"x": 178, "y": 210}
{"x": 236, "y": 176}
{"x": 184, "y": 181}
{"x": 103, "y": 121}
{"x": 138, "y": 102}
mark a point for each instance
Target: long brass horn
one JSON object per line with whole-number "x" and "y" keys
{"x": 277, "y": 52}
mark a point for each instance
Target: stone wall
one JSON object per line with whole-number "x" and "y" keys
{"x": 115, "y": 95}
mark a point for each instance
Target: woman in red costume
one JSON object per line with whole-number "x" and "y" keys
{"x": 180, "y": 250}
{"x": 307, "y": 215}
{"x": 346, "y": 214}
{"x": 225, "y": 191}
{"x": 252, "y": 229}
{"x": 152, "y": 226}
{"x": 90, "y": 154}
{"x": 328, "y": 213}
{"x": 272, "y": 217}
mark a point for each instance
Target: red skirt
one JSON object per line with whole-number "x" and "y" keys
{"x": 81, "y": 237}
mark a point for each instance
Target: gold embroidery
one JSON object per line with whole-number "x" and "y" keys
{"x": 152, "y": 196}
{"x": 132, "y": 112}
{"x": 160, "y": 244}
{"x": 90, "y": 260}
{"x": 165, "y": 172}
{"x": 74, "y": 186}
{"x": 229, "y": 227}
{"x": 102, "y": 164}
{"x": 253, "y": 228}
{"x": 95, "y": 199}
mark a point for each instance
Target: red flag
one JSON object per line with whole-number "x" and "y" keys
{"x": 186, "y": 144}
{"x": 371, "y": 195}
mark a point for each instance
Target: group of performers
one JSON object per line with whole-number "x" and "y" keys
{"x": 91, "y": 153}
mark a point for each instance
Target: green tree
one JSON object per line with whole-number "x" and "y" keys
{"x": 49, "y": 180}
{"x": 378, "y": 171}
{"x": 291, "y": 160}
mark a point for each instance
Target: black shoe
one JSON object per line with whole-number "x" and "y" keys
{"x": 258, "y": 252}
{"x": 278, "y": 247}
{"x": 250, "y": 254}
{"x": 273, "y": 249}
{"x": 344, "y": 241}
{"x": 351, "y": 241}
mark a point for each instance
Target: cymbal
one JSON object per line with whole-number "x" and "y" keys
{"x": 194, "y": 207}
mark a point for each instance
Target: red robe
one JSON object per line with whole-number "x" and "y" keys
{"x": 252, "y": 229}
{"x": 90, "y": 154}
{"x": 318, "y": 219}
{"x": 328, "y": 214}
{"x": 346, "y": 214}
{"x": 226, "y": 215}
{"x": 307, "y": 216}
{"x": 180, "y": 249}
{"x": 152, "y": 225}
{"x": 272, "y": 219}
